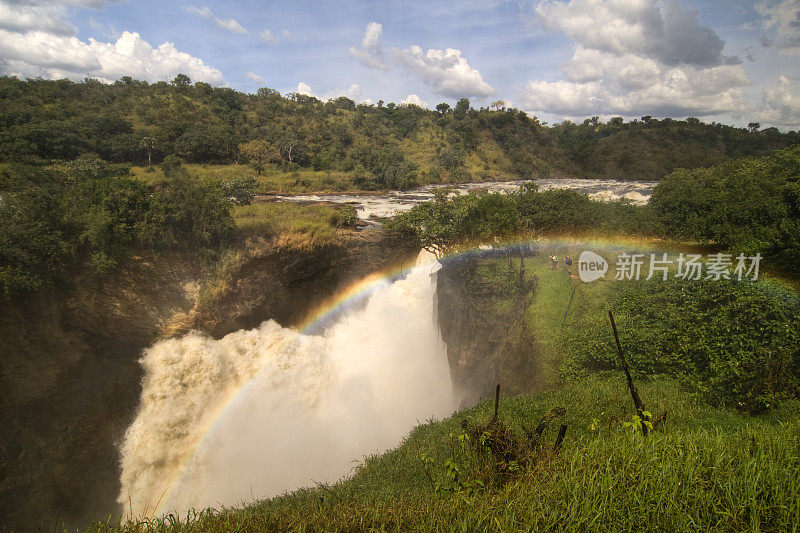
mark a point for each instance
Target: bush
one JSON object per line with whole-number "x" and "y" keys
{"x": 240, "y": 191}
{"x": 735, "y": 343}
{"x": 748, "y": 206}
{"x": 186, "y": 213}
{"x": 33, "y": 248}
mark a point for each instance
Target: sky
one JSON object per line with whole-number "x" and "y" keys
{"x": 730, "y": 61}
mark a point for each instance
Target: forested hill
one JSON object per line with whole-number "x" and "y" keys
{"x": 383, "y": 146}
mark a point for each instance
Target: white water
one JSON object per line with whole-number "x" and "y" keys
{"x": 392, "y": 203}
{"x": 268, "y": 410}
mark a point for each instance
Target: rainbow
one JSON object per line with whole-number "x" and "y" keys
{"x": 328, "y": 312}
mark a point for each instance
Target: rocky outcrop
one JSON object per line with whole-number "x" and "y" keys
{"x": 69, "y": 372}
{"x": 285, "y": 282}
{"x": 481, "y": 318}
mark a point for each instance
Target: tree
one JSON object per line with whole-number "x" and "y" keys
{"x": 442, "y": 108}
{"x": 259, "y": 152}
{"x": 754, "y": 126}
{"x": 462, "y": 108}
{"x": 290, "y": 148}
{"x": 171, "y": 163}
{"x": 148, "y": 144}
{"x": 181, "y": 80}
{"x": 498, "y": 105}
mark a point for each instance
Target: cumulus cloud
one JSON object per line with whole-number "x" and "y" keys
{"x": 371, "y": 52}
{"x": 636, "y": 57}
{"x": 30, "y": 17}
{"x": 415, "y": 100}
{"x": 255, "y": 77}
{"x": 37, "y": 40}
{"x": 226, "y": 24}
{"x": 53, "y": 56}
{"x": 781, "y": 103}
{"x": 268, "y": 37}
{"x": 665, "y": 31}
{"x": 353, "y": 92}
{"x": 782, "y": 17}
{"x": 446, "y": 72}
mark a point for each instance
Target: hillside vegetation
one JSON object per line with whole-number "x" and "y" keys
{"x": 383, "y": 146}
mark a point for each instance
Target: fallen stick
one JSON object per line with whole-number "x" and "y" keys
{"x": 662, "y": 418}
{"x": 637, "y": 400}
{"x": 561, "y": 432}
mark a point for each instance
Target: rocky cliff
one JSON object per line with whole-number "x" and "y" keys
{"x": 69, "y": 376}
{"x": 481, "y": 303}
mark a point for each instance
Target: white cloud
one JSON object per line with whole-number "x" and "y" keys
{"x": 289, "y": 35}
{"x": 634, "y": 57}
{"x": 353, "y": 92}
{"x": 268, "y": 37}
{"x": 782, "y": 103}
{"x": 371, "y": 51}
{"x": 53, "y": 56}
{"x": 662, "y": 30}
{"x": 631, "y": 90}
{"x": 255, "y": 77}
{"x": 446, "y": 72}
{"x": 226, "y": 24}
{"x": 415, "y": 100}
{"x": 29, "y": 17}
{"x": 782, "y": 16}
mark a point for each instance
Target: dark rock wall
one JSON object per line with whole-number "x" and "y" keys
{"x": 484, "y": 346}
{"x": 69, "y": 372}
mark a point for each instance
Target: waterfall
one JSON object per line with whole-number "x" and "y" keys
{"x": 268, "y": 410}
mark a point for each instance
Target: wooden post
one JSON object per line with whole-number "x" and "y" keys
{"x": 496, "y": 402}
{"x": 637, "y": 400}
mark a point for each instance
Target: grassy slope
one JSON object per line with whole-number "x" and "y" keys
{"x": 706, "y": 468}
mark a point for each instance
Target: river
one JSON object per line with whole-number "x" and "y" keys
{"x": 390, "y": 203}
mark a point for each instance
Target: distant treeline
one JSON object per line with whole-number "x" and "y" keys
{"x": 383, "y": 145}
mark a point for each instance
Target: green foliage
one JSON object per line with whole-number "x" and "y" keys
{"x": 106, "y": 216}
{"x": 187, "y": 213}
{"x": 132, "y": 121}
{"x": 748, "y": 206}
{"x": 240, "y": 191}
{"x": 445, "y": 223}
{"x": 51, "y": 221}
{"x": 385, "y": 168}
{"x": 734, "y": 343}
{"x": 33, "y": 250}
{"x": 170, "y": 164}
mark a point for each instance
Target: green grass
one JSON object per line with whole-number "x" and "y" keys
{"x": 705, "y": 469}
{"x": 318, "y": 222}
{"x": 272, "y": 180}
